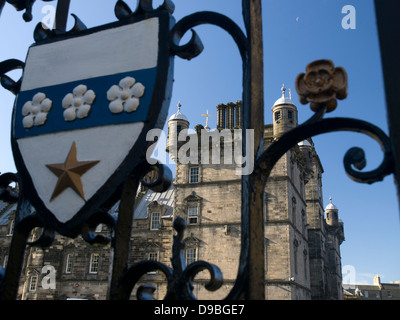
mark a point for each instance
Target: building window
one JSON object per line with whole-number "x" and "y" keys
{"x": 68, "y": 263}
{"x": 193, "y": 215}
{"x": 294, "y": 210}
{"x": 296, "y": 245}
{"x": 194, "y": 175}
{"x": 277, "y": 115}
{"x": 11, "y": 228}
{"x": 389, "y": 294}
{"x": 155, "y": 221}
{"x": 94, "y": 263}
{"x": 5, "y": 260}
{"x": 190, "y": 256}
{"x": 290, "y": 115}
{"x": 153, "y": 256}
{"x": 33, "y": 283}
{"x": 305, "y": 263}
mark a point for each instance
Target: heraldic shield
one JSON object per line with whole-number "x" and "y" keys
{"x": 83, "y": 111}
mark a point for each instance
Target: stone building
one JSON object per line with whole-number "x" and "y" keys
{"x": 7, "y": 218}
{"x": 302, "y": 239}
{"x": 376, "y": 291}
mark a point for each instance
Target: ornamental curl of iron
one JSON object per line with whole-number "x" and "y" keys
{"x": 321, "y": 86}
{"x": 179, "y": 277}
{"x": 41, "y": 33}
{"x": 26, "y": 5}
{"x": 123, "y": 11}
{"x": 5, "y": 81}
{"x": 26, "y": 220}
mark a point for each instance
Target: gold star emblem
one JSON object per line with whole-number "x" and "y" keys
{"x": 69, "y": 173}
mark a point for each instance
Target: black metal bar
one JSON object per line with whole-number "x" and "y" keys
{"x": 251, "y": 276}
{"x": 387, "y": 15}
{"x": 9, "y": 290}
{"x": 2, "y": 3}
{"x": 123, "y": 231}
{"x": 62, "y": 15}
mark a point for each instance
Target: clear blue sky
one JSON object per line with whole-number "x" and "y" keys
{"x": 295, "y": 33}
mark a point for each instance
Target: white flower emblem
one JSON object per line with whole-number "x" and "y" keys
{"x": 35, "y": 111}
{"x": 78, "y": 103}
{"x": 125, "y": 97}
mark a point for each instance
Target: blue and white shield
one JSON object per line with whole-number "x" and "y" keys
{"x": 81, "y": 117}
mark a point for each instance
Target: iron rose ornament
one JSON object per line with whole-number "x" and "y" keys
{"x": 322, "y": 84}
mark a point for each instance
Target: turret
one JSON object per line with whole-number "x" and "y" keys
{"x": 284, "y": 113}
{"x": 331, "y": 211}
{"x": 307, "y": 149}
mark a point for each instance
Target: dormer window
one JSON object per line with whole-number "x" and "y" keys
{"x": 155, "y": 221}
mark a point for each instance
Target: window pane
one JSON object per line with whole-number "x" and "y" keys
{"x": 190, "y": 256}
{"x": 153, "y": 256}
{"x": 68, "y": 264}
{"x": 33, "y": 284}
{"x": 194, "y": 175}
{"x": 192, "y": 215}
{"x": 94, "y": 263}
{"x": 155, "y": 221}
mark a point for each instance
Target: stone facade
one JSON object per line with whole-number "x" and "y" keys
{"x": 302, "y": 247}
{"x": 376, "y": 291}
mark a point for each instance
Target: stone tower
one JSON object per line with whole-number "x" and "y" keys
{"x": 325, "y": 231}
{"x": 287, "y": 252}
{"x": 284, "y": 114}
{"x": 331, "y": 213}
{"x": 208, "y": 197}
{"x": 176, "y": 123}
{"x": 334, "y": 238}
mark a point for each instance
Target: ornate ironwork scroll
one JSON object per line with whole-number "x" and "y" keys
{"x": 5, "y": 81}
{"x": 179, "y": 277}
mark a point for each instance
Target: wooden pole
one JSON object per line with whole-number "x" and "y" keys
{"x": 253, "y": 118}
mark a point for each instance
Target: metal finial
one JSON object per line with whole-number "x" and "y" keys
{"x": 290, "y": 94}
{"x": 179, "y": 106}
{"x": 283, "y": 90}
{"x": 330, "y": 199}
